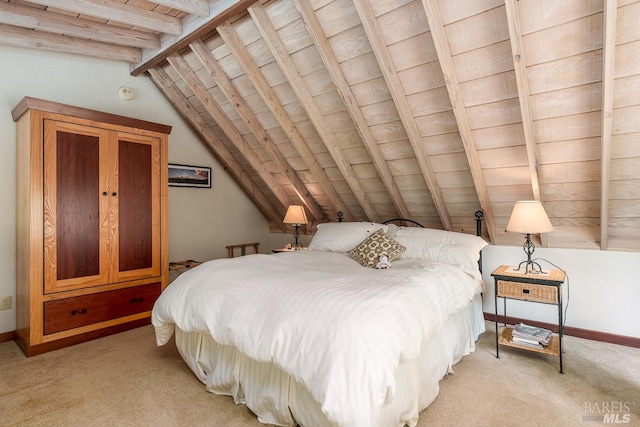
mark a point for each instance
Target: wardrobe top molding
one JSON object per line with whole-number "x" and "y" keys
{"x": 29, "y": 103}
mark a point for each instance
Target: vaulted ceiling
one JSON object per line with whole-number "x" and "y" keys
{"x": 424, "y": 109}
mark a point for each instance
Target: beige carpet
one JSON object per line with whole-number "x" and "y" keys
{"x": 125, "y": 380}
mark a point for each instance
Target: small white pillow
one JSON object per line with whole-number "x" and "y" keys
{"x": 443, "y": 246}
{"x": 343, "y": 236}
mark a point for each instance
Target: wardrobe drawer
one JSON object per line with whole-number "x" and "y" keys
{"x": 74, "y": 312}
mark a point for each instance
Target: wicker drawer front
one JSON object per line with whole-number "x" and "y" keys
{"x": 74, "y": 312}
{"x": 527, "y": 291}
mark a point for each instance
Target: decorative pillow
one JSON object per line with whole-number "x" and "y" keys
{"x": 368, "y": 251}
{"x": 342, "y": 236}
{"x": 449, "y": 247}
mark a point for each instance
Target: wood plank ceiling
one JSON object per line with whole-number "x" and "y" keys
{"x": 426, "y": 109}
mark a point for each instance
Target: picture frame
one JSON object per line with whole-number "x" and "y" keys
{"x": 189, "y": 176}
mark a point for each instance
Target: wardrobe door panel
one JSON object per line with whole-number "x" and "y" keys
{"x": 74, "y": 207}
{"x": 138, "y": 208}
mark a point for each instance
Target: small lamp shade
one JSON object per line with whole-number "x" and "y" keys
{"x": 529, "y": 217}
{"x": 295, "y": 215}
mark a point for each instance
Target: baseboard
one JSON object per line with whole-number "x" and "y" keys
{"x": 7, "y": 336}
{"x": 574, "y": 332}
{"x": 568, "y": 330}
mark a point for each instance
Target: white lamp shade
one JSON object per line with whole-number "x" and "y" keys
{"x": 529, "y": 217}
{"x": 295, "y": 215}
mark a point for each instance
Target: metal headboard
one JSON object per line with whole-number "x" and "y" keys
{"x": 389, "y": 221}
{"x": 479, "y": 215}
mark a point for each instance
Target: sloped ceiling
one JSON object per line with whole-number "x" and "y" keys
{"x": 424, "y": 109}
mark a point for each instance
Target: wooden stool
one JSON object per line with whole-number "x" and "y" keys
{"x": 243, "y": 247}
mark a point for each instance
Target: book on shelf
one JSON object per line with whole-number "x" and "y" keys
{"x": 530, "y": 335}
{"x": 526, "y": 342}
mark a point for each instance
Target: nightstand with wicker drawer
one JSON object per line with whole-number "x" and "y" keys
{"x": 545, "y": 288}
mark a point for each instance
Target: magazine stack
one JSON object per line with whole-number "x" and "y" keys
{"x": 530, "y": 336}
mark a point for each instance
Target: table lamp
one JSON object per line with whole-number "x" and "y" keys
{"x": 529, "y": 217}
{"x": 295, "y": 215}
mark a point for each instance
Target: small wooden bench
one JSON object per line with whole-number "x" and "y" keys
{"x": 181, "y": 265}
{"x": 243, "y": 247}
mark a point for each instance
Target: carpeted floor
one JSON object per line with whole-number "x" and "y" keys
{"x": 125, "y": 380}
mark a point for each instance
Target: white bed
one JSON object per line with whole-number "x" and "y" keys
{"x": 314, "y": 338}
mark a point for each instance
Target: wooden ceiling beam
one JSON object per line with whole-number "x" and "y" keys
{"x": 193, "y": 27}
{"x": 203, "y": 95}
{"x": 519, "y": 66}
{"x": 56, "y": 23}
{"x": 113, "y": 10}
{"x": 321, "y": 42}
{"x": 217, "y": 147}
{"x": 270, "y": 98}
{"x": 445, "y": 58}
{"x": 196, "y": 7}
{"x": 21, "y": 37}
{"x": 244, "y": 111}
{"x": 608, "y": 74}
{"x": 282, "y": 56}
{"x": 370, "y": 25}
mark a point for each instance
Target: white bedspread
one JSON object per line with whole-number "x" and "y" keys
{"x": 339, "y": 328}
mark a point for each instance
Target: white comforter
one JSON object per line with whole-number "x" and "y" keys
{"x": 338, "y": 328}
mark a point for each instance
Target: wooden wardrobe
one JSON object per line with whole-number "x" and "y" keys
{"x": 92, "y": 231}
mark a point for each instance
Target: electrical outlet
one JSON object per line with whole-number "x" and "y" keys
{"x": 5, "y": 303}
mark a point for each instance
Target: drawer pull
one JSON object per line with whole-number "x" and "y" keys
{"x": 135, "y": 300}
{"x": 525, "y": 291}
{"x": 83, "y": 311}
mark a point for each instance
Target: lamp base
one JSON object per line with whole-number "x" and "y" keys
{"x": 529, "y": 266}
{"x": 297, "y": 245}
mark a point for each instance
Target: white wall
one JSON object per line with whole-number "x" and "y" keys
{"x": 201, "y": 221}
{"x": 603, "y": 290}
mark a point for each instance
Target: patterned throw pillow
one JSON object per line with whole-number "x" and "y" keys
{"x": 378, "y": 243}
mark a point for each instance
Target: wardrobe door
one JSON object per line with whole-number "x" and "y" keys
{"x": 76, "y": 249}
{"x": 137, "y": 206}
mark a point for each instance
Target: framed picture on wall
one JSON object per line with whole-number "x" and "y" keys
{"x": 189, "y": 176}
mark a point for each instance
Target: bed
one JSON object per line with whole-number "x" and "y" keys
{"x": 320, "y": 337}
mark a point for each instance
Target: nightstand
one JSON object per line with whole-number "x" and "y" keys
{"x": 545, "y": 288}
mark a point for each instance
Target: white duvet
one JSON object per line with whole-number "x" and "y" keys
{"x": 338, "y": 328}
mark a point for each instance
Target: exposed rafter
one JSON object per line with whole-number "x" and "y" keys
{"x": 453, "y": 87}
{"x": 270, "y": 98}
{"x": 608, "y": 62}
{"x": 21, "y": 37}
{"x": 193, "y": 27}
{"x": 70, "y": 26}
{"x": 519, "y": 65}
{"x": 283, "y": 58}
{"x": 187, "y": 74}
{"x": 196, "y": 7}
{"x": 261, "y": 135}
{"x": 333, "y": 67}
{"x": 181, "y": 103}
{"x": 395, "y": 87}
{"x": 112, "y": 10}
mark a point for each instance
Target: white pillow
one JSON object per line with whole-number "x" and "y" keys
{"x": 343, "y": 236}
{"x": 449, "y": 247}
